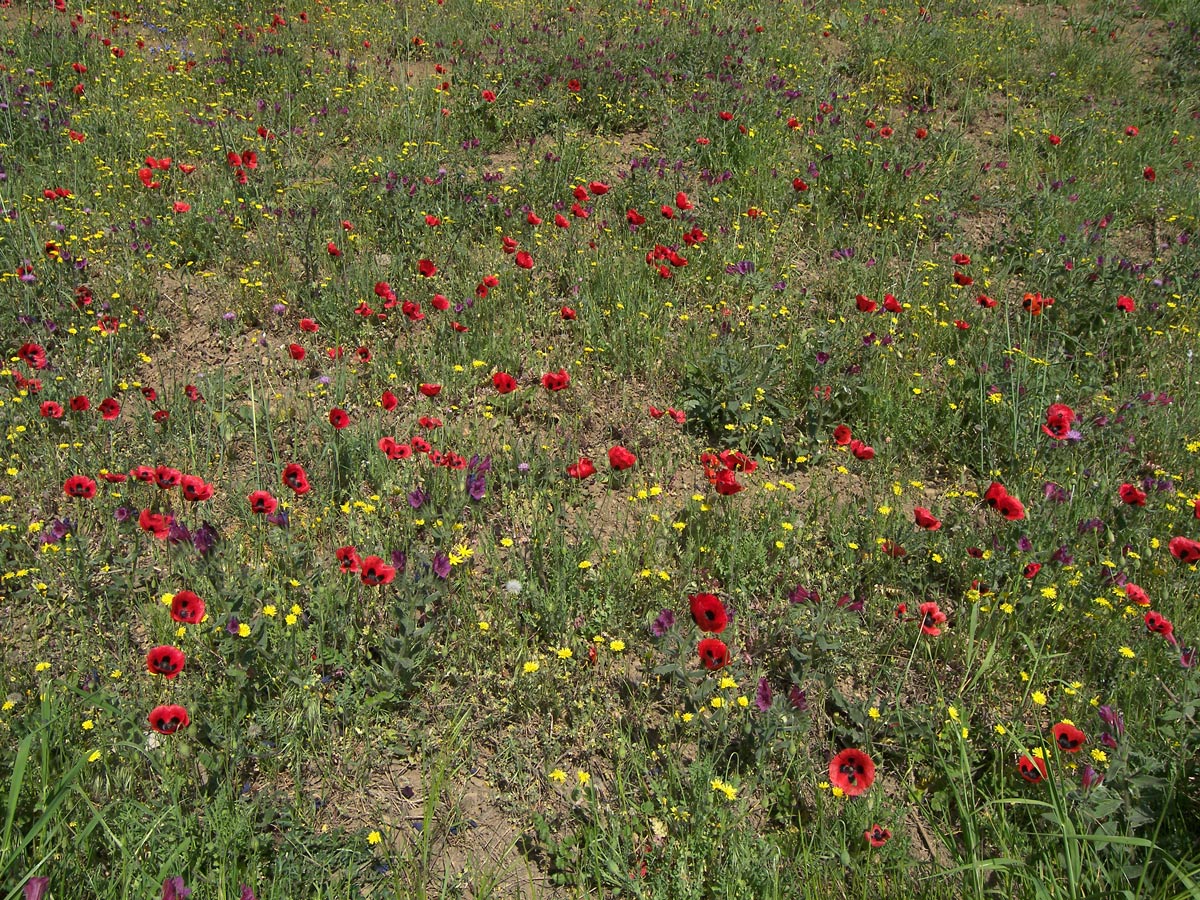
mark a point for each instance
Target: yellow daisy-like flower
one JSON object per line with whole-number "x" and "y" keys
{"x": 374, "y": 838}
{"x": 564, "y": 653}
{"x": 583, "y": 776}
{"x": 270, "y": 610}
{"x": 531, "y": 667}
{"x": 616, "y": 646}
{"x": 243, "y": 630}
{"x": 558, "y": 775}
{"x": 1127, "y": 652}
{"x": 1038, "y": 697}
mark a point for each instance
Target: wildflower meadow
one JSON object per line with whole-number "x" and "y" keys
{"x": 646, "y": 448}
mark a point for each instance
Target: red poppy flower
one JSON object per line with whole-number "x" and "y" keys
{"x": 376, "y": 572}
{"x": 1184, "y": 549}
{"x": 338, "y": 418}
{"x": 504, "y": 383}
{"x": 962, "y": 279}
{"x": 925, "y": 519}
{"x": 262, "y": 503}
{"x": 1136, "y": 594}
{"x": 620, "y": 458}
{"x": 556, "y": 381}
{"x": 633, "y": 217}
{"x": 426, "y": 268}
{"x": 488, "y": 96}
{"x": 429, "y": 422}
{"x": 1032, "y": 769}
{"x": 682, "y": 201}
{"x": 296, "y": 351}
{"x": 430, "y": 390}
{"x": 332, "y": 249}
{"x": 109, "y": 409}
{"x": 1055, "y": 140}
{"x": 80, "y": 487}
{"x": 1125, "y": 303}
{"x": 114, "y": 477}
{"x": 80, "y": 404}
{"x": 33, "y": 355}
{"x": 166, "y": 478}
{"x": 561, "y": 221}
{"x": 1068, "y": 738}
{"x": 567, "y": 314}
{"x": 295, "y": 478}
{"x": 861, "y": 450}
{"x": 523, "y": 260}
{"x": 1058, "y": 421}
{"x": 891, "y": 304}
{"x": 420, "y": 444}
{"x": 842, "y": 435}
{"x": 1131, "y": 495}
{"x": 931, "y": 617}
{"x": 1157, "y": 623}
{"x": 169, "y": 719}
{"x": 1148, "y": 174}
{"x": 533, "y": 219}
{"x": 187, "y": 607}
{"x": 309, "y": 326}
{"x": 877, "y": 835}
{"x": 585, "y": 468}
{"x": 1011, "y": 508}
{"x": 713, "y": 654}
{"x": 165, "y": 661}
{"x": 726, "y": 483}
{"x": 852, "y": 771}
{"x": 348, "y": 560}
{"x": 574, "y": 86}
{"x": 142, "y": 473}
{"x": 1131, "y": 131}
{"x": 1034, "y": 303}
{"x": 865, "y": 304}
{"x": 985, "y": 301}
{"x": 709, "y": 612}
{"x": 1031, "y": 570}
{"x": 195, "y": 489}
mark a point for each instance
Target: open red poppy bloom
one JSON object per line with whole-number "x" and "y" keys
{"x": 861, "y": 450}
{"x": 1058, "y": 421}
{"x": 1136, "y": 594}
{"x": 296, "y": 352}
{"x": 80, "y": 487}
{"x": 426, "y": 268}
{"x": 262, "y": 503}
{"x": 877, "y": 835}
{"x": 169, "y": 719}
{"x": 1068, "y": 738}
{"x": 1184, "y": 549}
{"x": 1131, "y": 495}
{"x": 1125, "y": 303}
{"x": 166, "y": 477}
{"x": 925, "y": 519}
{"x": 195, "y": 489}
{"x": 376, "y": 572}
{"x": 165, "y": 661}
{"x": 852, "y": 771}
{"x": 338, "y": 418}
{"x": 993, "y": 494}
{"x": 620, "y": 458}
{"x": 931, "y": 617}
{"x": 713, "y": 654}
{"x": 348, "y": 560}
{"x": 156, "y": 523}
{"x": 109, "y": 409}
{"x": 709, "y": 612}
{"x": 842, "y": 435}
{"x": 1011, "y": 508}
{"x": 556, "y": 381}
{"x": 296, "y": 478}
{"x": 1031, "y": 570}
{"x": 80, "y": 404}
{"x": 1032, "y": 769}
{"x": 524, "y": 260}
{"x": 430, "y": 390}
{"x": 726, "y": 483}
{"x": 1157, "y": 623}
{"x": 187, "y": 607}
{"x": 585, "y": 468}
{"x": 1034, "y": 303}
{"x": 865, "y": 304}
{"x": 504, "y": 383}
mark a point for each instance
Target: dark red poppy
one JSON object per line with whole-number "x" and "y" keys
{"x": 426, "y": 268}
{"x": 842, "y": 435}
{"x": 187, "y": 607}
{"x": 1148, "y": 174}
{"x": 169, "y": 719}
{"x": 865, "y": 304}
{"x": 419, "y": 444}
{"x": 709, "y": 612}
{"x": 142, "y": 473}
{"x": 166, "y": 477}
{"x": 1032, "y": 769}
{"x": 861, "y": 450}
{"x": 1068, "y": 737}
{"x": 962, "y": 279}
{"x": 80, "y": 404}
{"x": 114, "y": 477}
{"x": 1058, "y": 421}
{"x": 621, "y": 458}
{"x": 713, "y": 654}
{"x": 165, "y": 661}
{"x": 33, "y": 355}
{"x": 852, "y": 771}
{"x": 556, "y": 381}
{"x": 726, "y": 483}
{"x": 799, "y": 185}
{"x": 262, "y": 503}
{"x": 156, "y": 523}
{"x": 1184, "y": 549}
{"x": 1055, "y": 140}
{"x": 1131, "y": 495}
{"x": 1157, "y": 623}
{"x": 1125, "y": 303}
{"x": 985, "y": 301}
{"x": 430, "y": 390}
{"x": 523, "y": 260}
{"x": 348, "y": 560}
{"x": 1011, "y": 508}
{"x": 574, "y": 86}
{"x": 585, "y": 468}
{"x": 1031, "y": 570}
{"x": 296, "y": 478}
{"x": 925, "y": 519}
{"x": 598, "y": 188}
{"x": 310, "y": 326}
{"x": 376, "y": 572}
{"x": 80, "y": 487}
{"x": 891, "y": 304}
{"x": 682, "y": 201}
{"x": 338, "y": 418}
{"x": 567, "y": 313}
{"x": 296, "y": 351}
{"x": 633, "y": 217}
{"x": 504, "y": 383}
{"x": 195, "y": 489}
{"x": 1034, "y": 303}
{"x": 931, "y": 617}
{"x": 993, "y": 494}
{"x": 51, "y": 410}
{"x": 877, "y": 835}
{"x": 109, "y": 408}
